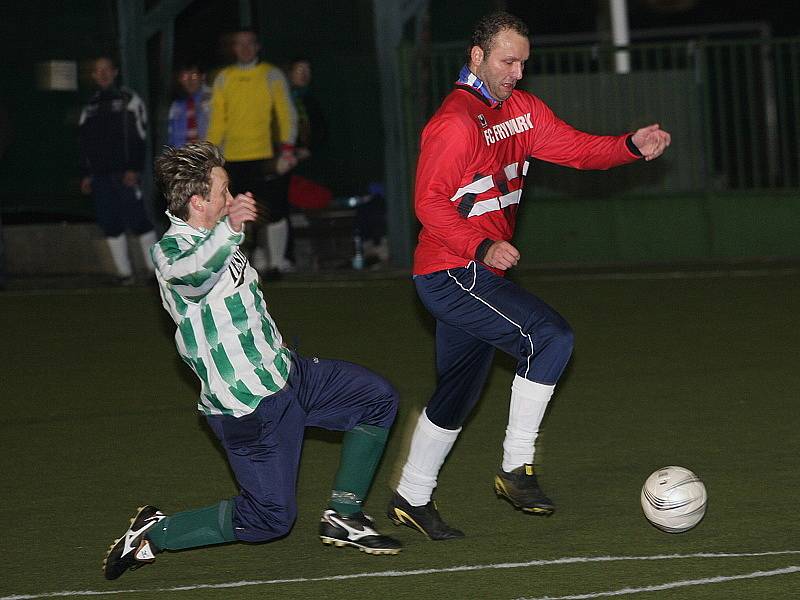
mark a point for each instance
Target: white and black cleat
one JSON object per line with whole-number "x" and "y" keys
{"x": 133, "y": 550}
{"x": 356, "y": 530}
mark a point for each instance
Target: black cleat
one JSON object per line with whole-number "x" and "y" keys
{"x": 521, "y": 488}
{"x": 356, "y": 530}
{"x": 425, "y": 519}
{"x": 133, "y": 550}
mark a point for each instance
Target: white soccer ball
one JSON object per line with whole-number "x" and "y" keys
{"x": 674, "y": 499}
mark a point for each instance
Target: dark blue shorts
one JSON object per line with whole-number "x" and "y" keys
{"x": 270, "y": 190}
{"x": 476, "y": 311}
{"x": 117, "y": 206}
{"x": 263, "y": 448}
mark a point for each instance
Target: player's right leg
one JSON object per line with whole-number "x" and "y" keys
{"x": 276, "y": 192}
{"x": 462, "y": 364}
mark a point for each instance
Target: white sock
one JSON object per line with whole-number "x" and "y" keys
{"x": 277, "y": 240}
{"x": 259, "y": 259}
{"x": 528, "y": 404}
{"x": 119, "y": 254}
{"x": 430, "y": 445}
{"x": 145, "y": 241}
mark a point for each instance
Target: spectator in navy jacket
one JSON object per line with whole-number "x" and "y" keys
{"x": 113, "y": 131}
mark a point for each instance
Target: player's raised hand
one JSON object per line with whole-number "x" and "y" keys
{"x": 241, "y": 209}
{"x": 501, "y": 255}
{"x": 651, "y": 141}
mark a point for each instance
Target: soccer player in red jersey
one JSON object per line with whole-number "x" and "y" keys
{"x": 474, "y": 155}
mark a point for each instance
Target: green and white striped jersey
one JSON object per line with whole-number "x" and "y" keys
{"x": 225, "y": 333}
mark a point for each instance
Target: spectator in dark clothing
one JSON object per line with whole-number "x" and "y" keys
{"x": 113, "y": 130}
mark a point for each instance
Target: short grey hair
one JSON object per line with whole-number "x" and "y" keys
{"x": 183, "y": 172}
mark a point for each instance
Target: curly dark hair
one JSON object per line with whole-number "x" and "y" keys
{"x": 487, "y": 28}
{"x": 186, "y": 171}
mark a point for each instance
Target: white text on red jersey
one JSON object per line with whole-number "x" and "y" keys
{"x": 506, "y": 129}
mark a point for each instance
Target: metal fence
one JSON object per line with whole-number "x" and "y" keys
{"x": 732, "y": 106}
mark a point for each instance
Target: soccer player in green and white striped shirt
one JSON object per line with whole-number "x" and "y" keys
{"x": 257, "y": 396}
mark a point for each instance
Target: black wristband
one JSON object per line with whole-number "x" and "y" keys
{"x": 482, "y": 249}
{"x": 631, "y": 146}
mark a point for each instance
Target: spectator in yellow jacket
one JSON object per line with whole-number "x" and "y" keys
{"x": 254, "y": 121}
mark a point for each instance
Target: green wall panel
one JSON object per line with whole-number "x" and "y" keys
{"x": 565, "y": 230}
{"x": 653, "y": 229}
{"x": 764, "y": 225}
{"x": 658, "y": 229}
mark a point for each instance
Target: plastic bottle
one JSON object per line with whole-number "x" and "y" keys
{"x": 358, "y": 251}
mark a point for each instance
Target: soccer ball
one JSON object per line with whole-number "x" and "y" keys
{"x": 674, "y": 499}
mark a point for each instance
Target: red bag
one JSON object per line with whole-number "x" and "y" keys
{"x": 307, "y": 194}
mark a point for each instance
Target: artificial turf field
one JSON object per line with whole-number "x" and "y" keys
{"x": 696, "y": 368}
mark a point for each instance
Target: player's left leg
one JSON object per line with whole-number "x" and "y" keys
{"x": 137, "y": 221}
{"x": 109, "y": 209}
{"x": 342, "y": 396}
{"x": 263, "y": 450}
{"x": 543, "y": 350}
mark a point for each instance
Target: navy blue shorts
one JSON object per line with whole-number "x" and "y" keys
{"x": 263, "y": 448}
{"x": 118, "y": 207}
{"x": 476, "y": 311}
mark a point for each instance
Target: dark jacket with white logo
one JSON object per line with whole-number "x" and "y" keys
{"x": 112, "y": 131}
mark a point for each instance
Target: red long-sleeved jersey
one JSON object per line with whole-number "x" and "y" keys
{"x": 472, "y": 165}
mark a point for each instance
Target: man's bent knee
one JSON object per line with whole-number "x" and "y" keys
{"x": 258, "y": 523}
{"x": 385, "y": 405}
{"x": 563, "y": 339}
{"x": 552, "y": 350}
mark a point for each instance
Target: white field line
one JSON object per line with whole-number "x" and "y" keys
{"x": 415, "y": 572}
{"x": 671, "y": 585}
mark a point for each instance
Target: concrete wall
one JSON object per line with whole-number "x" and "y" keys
{"x": 61, "y": 248}
{"x": 619, "y": 230}
{"x": 659, "y": 228}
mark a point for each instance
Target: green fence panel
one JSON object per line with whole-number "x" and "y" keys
{"x": 609, "y": 103}
{"x": 733, "y": 107}
{"x": 728, "y": 188}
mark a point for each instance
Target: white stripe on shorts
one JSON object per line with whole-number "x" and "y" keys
{"x": 499, "y": 312}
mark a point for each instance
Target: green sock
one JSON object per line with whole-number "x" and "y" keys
{"x": 362, "y": 448}
{"x": 193, "y": 528}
